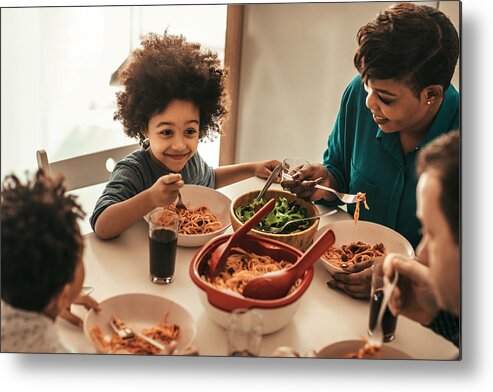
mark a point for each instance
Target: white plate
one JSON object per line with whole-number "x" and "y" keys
{"x": 141, "y": 311}
{"x": 341, "y": 349}
{"x": 368, "y": 232}
{"x": 218, "y": 203}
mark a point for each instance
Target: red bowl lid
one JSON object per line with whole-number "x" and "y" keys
{"x": 253, "y": 243}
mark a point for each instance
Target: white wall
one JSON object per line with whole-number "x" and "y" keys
{"x": 297, "y": 60}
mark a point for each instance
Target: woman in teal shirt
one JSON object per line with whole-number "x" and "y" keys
{"x": 401, "y": 100}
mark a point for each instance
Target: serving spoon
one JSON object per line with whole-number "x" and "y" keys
{"x": 277, "y": 284}
{"x": 221, "y": 253}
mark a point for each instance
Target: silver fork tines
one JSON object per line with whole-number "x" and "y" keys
{"x": 179, "y": 204}
{"x": 346, "y": 198}
{"x": 126, "y": 332}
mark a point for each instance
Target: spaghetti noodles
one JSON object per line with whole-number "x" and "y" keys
{"x": 361, "y": 198}
{"x": 198, "y": 220}
{"x": 164, "y": 333}
{"x": 367, "y": 351}
{"x": 242, "y": 266}
{"x": 353, "y": 253}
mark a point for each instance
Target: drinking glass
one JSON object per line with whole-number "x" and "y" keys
{"x": 389, "y": 321}
{"x": 244, "y": 333}
{"x": 163, "y": 236}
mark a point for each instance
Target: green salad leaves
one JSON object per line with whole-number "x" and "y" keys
{"x": 282, "y": 213}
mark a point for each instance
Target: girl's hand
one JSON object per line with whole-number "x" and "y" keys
{"x": 165, "y": 190}
{"x": 263, "y": 169}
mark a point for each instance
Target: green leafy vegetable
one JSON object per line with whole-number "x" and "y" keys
{"x": 282, "y": 213}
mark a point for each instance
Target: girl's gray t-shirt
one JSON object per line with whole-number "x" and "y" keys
{"x": 138, "y": 172}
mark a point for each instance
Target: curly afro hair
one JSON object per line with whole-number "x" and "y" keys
{"x": 166, "y": 68}
{"x": 41, "y": 240}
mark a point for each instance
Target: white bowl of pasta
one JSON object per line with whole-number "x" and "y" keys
{"x": 360, "y": 243}
{"x": 219, "y": 297}
{"x": 207, "y": 215}
{"x": 154, "y": 316}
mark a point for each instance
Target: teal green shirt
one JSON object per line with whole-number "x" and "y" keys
{"x": 362, "y": 158}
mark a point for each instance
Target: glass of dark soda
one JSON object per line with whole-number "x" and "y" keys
{"x": 163, "y": 237}
{"x": 389, "y": 321}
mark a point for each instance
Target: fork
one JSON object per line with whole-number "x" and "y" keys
{"x": 346, "y": 198}
{"x": 179, "y": 204}
{"x": 275, "y": 230}
{"x": 376, "y": 338}
{"x": 125, "y": 332}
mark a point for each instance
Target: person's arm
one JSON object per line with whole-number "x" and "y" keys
{"x": 120, "y": 216}
{"x": 230, "y": 174}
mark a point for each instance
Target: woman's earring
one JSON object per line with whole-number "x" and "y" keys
{"x": 428, "y": 102}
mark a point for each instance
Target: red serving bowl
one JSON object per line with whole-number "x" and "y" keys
{"x": 277, "y": 312}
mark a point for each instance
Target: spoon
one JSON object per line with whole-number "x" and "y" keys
{"x": 275, "y": 230}
{"x": 277, "y": 284}
{"x": 220, "y": 255}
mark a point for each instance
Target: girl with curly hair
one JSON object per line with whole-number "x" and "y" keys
{"x": 173, "y": 97}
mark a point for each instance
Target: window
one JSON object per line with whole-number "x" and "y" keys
{"x": 56, "y": 67}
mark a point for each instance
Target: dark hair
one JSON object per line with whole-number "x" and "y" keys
{"x": 443, "y": 155}
{"x": 41, "y": 240}
{"x": 416, "y": 44}
{"x": 166, "y": 68}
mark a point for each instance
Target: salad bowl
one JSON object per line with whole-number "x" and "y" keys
{"x": 288, "y": 207}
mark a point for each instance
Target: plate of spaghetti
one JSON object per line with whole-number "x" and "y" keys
{"x": 361, "y": 243}
{"x": 155, "y": 317}
{"x": 206, "y": 216}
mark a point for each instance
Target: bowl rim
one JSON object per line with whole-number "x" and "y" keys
{"x": 354, "y": 344}
{"x": 364, "y": 222}
{"x": 259, "y": 232}
{"x": 249, "y": 302}
{"x": 192, "y": 328}
{"x": 217, "y": 232}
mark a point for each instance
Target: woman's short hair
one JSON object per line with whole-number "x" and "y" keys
{"x": 41, "y": 240}
{"x": 165, "y": 68}
{"x": 443, "y": 155}
{"x": 413, "y": 43}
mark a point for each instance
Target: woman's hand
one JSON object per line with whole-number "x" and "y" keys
{"x": 413, "y": 297}
{"x": 165, "y": 190}
{"x": 305, "y": 179}
{"x": 263, "y": 169}
{"x": 85, "y": 300}
{"x": 355, "y": 281}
